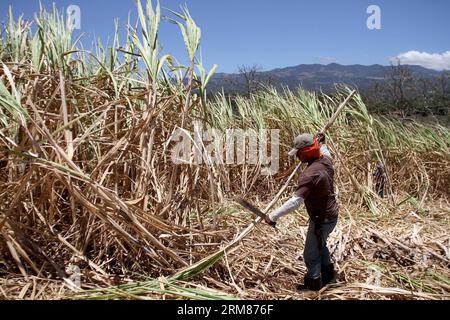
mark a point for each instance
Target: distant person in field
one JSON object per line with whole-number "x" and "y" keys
{"x": 316, "y": 190}
{"x": 380, "y": 180}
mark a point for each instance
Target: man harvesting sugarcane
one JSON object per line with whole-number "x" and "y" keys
{"x": 316, "y": 190}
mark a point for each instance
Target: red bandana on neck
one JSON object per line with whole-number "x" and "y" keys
{"x": 311, "y": 152}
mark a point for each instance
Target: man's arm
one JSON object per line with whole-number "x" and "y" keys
{"x": 289, "y": 206}
{"x": 324, "y": 150}
{"x": 323, "y": 147}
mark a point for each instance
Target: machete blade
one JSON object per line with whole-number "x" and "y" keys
{"x": 247, "y": 205}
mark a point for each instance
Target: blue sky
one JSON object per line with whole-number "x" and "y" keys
{"x": 284, "y": 33}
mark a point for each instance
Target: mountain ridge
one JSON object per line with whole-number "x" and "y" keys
{"x": 316, "y": 76}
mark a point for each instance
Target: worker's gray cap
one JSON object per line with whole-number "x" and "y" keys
{"x": 301, "y": 141}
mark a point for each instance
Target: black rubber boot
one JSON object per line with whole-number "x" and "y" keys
{"x": 310, "y": 284}
{"x": 328, "y": 274}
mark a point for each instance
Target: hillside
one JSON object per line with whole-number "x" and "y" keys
{"x": 317, "y": 76}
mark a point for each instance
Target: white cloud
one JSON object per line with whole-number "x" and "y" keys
{"x": 436, "y": 61}
{"x": 327, "y": 59}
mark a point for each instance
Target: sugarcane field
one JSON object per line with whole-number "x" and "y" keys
{"x": 136, "y": 163}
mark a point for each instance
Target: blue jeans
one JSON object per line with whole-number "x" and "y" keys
{"x": 311, "y": 254}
